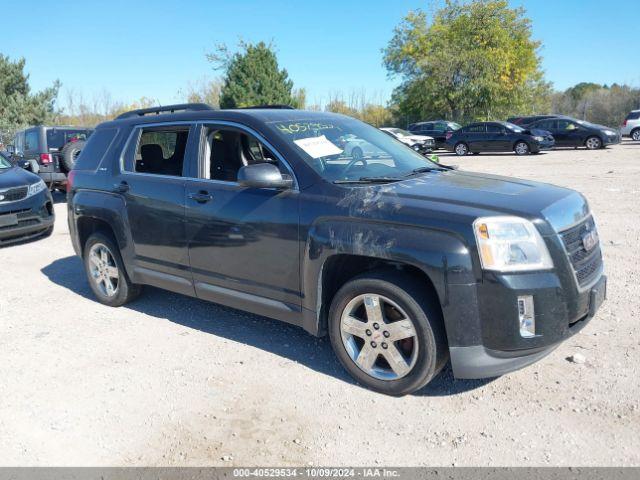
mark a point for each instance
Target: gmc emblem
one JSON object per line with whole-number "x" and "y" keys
{"x": 590, "y": 240}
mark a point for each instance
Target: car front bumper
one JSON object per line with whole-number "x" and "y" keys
{"x": 612, "y": 139}
{"x": 26, "y": 219}
{"x": 503, "y": 350}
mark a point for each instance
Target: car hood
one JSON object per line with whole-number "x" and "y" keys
{"x": 462, "y": 195}
{"x": 16, "y": 177}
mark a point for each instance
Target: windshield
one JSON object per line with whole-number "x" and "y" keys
{"x": 342, "y": 148}
{"x": 4, "y": 163}
{"x": 454, "y": 126}
{"x": 513, "y": 127}
{"x": 58, "y": 138}
{"x": 400, "y": 132}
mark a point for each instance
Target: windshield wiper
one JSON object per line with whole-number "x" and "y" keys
{"x": 417, "y": 171}
{"x": 370, "y": 180}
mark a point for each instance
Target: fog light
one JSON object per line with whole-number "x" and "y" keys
{"x": 527, "y": 317}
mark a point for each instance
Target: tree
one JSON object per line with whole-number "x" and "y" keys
{"x": 20, "y": 107}
{"x": 252, "y": 77}
{"x": 471, "y": 61}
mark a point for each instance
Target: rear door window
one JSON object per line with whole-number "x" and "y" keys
{"x": 160, "y": 151}
{"x": 494, "y": 129}
{"x": 475, "y": 129}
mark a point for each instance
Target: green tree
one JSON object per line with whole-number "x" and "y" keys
{"x": 18, "y": 105}
{"x": 252, "y": 77}
{"x": 470, "y": 61}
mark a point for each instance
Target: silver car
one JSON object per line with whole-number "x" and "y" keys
{"x": 631, "y": 126}
{"x": 420, "y": 143}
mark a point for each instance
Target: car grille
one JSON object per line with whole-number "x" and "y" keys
{"x": 586, "y": 263}
{"x": 13, "y": 194}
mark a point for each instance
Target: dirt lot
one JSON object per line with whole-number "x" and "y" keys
{"x": 171, "y": 380}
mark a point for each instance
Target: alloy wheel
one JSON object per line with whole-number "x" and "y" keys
{"x": 379, "y": 336}
{"x": 104, "y": 270}
{"x": 522, "y": 148}
{"x": 593, "y": 143}
{"x": 636, "y": 135}
{"x": 461, "y": 149}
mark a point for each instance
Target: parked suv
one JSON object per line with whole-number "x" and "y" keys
{"x": 570, "y": 132}
{"x": 52, "y": 150}
{"x": 631, "y": 126}
{"x": 402, "y": 262}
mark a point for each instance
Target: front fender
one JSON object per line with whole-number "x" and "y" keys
{"x": 442, "y": 256}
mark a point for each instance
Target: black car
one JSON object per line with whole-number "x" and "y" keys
{"x": 526, "y": 121}
{"x": 26, "y": 207}
{"x": 498, "y": 137}
{"x": 51, "y": 150}
{"x": 440, "y": 130}
{"x": 569, "y": 132}
{"x": 402, "y": 262}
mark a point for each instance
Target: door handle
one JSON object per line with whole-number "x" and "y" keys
{"x": 200, "y": 197}
{"x": 122, "y": 187}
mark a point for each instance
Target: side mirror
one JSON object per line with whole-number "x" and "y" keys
{"x": 263, "y": 175}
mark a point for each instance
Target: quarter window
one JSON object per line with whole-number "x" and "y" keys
{"x": 161, "y": 151}
{"x": 475, "y": 129}
{"x": 31, "y": 141}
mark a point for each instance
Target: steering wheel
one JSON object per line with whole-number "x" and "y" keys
{"x": 352, "y": 163}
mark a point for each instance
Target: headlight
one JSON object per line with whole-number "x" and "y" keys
{"x": 510, "y": 244}
{"x": 539, "y": 139}
{"x": 610, "y": 133}
{"x": 36, "y": 188}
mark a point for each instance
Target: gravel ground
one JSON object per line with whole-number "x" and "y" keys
{"x": 171, "y": 380}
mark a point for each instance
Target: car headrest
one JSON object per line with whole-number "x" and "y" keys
{"x": 151, "y": 152}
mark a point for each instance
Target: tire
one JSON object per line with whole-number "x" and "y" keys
{"x": 461, "y": 149}
{"x": 70, "y": 153}
{"x": 635, "y": 135}
{"x": 593, "y": 143}
{"x": 423, "y": 349}
{"x": 122, "y": 289}
{"x": 521, "y": 148}
{"x": 357, "y": 153}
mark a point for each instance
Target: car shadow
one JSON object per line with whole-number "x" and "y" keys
{"x": 282, "y": 339}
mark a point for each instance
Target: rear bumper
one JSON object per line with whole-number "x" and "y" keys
{"x": 479, "y": 361}
{"x": 53, "y": 177}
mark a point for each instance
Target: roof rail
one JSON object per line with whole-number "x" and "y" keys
{"x": 182, "y": 107}
{"x": 274, "y": 106}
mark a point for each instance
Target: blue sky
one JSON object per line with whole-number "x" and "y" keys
{"x": 155, "y": 48}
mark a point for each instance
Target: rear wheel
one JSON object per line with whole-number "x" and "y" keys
{"x": 105, "y": 272}
{"x": 461, "y": 149}
{"x": 635, "y": 135}
{"x": 521, "y": 148}
{"x": 387, "y": 333}
{"x": 593, "y": 143}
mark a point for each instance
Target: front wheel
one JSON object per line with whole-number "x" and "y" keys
{"x": 593, "y": 143}
{"x": 105, "y": 272}
{"x": 521, "y": 148}
{"x": 461, "y": 149}
{"x": 387, "y": 333}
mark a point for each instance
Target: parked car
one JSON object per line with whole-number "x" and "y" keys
{"x": 569, "y": 132}
{"x": 631, "y": 125}
{"x": 420, "y": 143}
{"x": 53, "y": 149}
{"x": 526, "y": 121}
{"x": 402, "y": 262}
{"x": 26, "y": 207}
{"x": 357, "y": 148}
{"x": 31, "y": 166}
{"x": 440, "y": 130}
{"x": 498, "y": 137}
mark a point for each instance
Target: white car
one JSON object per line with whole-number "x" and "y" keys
{"x": 420, "y": 143}
{"x": 358, "y": 148}
{"x": 631, "y": 126}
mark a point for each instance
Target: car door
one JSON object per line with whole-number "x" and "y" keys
{"x": 243, "y": 242}
{"x": 496, "y": 139}
{"x": 569, "y": 133}
{"x": 152, "y": 182}
{"x": 476, "y": 137}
